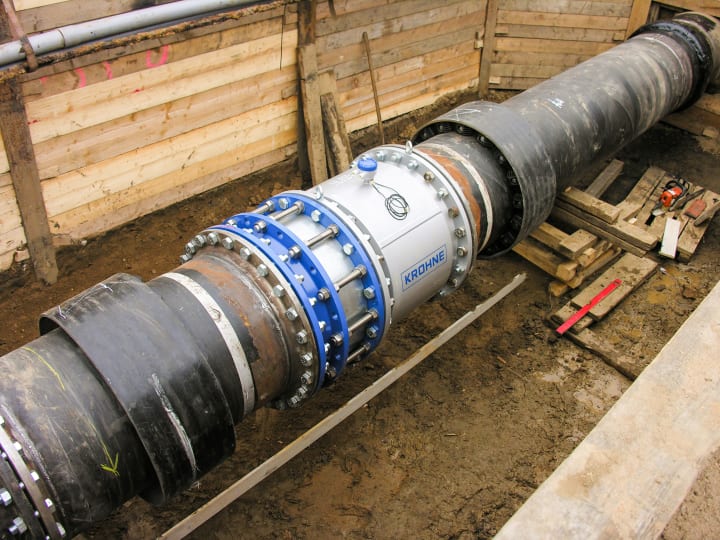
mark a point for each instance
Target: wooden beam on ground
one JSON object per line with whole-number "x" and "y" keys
{"x": 634, "y": 469}
{"x": 26, "y": 180}
{"x": 257, "y": 475}
{"x": 603, "y": 180}
{"x": 488, "y": 48}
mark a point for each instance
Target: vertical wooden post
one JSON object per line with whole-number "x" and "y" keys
{"x": 24, "y": 173}
{"x": 638, "y": 16}
{"x": 310, "y": 90}
{"x": 488, "y": 49}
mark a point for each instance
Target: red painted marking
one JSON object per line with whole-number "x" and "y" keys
{"x": 164, "y": 55}
{"x": 44, "y": 79}
{"x": 82, "y": 79}
{"x": 108, "y": 70}
{"x": 579, "y": 314}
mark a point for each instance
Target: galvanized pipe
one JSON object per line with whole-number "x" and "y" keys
{"x": 134, "y": 388}
{"x": 90, "y": 31}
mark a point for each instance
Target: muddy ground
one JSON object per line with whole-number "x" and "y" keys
{"x": 453, "y": 449}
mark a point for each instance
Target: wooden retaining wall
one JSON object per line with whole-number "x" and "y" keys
{"x": 123, "y": 129}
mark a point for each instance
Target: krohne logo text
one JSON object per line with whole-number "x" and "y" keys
{"x": 423, "y": 267}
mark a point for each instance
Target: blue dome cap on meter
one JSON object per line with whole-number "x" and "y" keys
{"x": 367, "y": 164}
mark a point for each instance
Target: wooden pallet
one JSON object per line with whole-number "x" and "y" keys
{"x": 602, "y": 232}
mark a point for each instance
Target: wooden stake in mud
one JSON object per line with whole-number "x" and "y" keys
{"x": 257, "y": 475}
{"x": 366, "y": 43}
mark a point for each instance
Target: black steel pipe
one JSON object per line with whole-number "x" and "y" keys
{"x": 135, "y": 388}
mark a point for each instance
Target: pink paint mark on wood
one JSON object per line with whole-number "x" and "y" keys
{"x": 82, "y": 79}
{"x": 164, "y": 55}
{"x": 108, "y": 70}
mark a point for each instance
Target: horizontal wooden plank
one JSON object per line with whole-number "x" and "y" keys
{"x": 431, "y": 21}
{"x": 400, "y": 46}
{"x": 378, "y": 14}
{"x": 390, "y": 80}
{"x": 706, "y": 6}
{"x": 8, "y": 203}
{"x": 156, "y": 53}
{"x": 539, "y": 58}
{"x": 568, "y": 20}
{"x": 590, "y": 205}
{"x": 5, "y": 180}
{"x": 119, "y": 208}
{"x": 115, "y": 98}
{"x": 524, "y": 72}
{"x": 556, "y": 33}
{"x": 710, "y": 103}
{"x": 85, "y": 147}
{"x": 11, "y": 241}
{"x": 466, "y": 77}
{"x": 617, "y": 8}
{"x": 514, "y": 83}
{"x": 543, "y": 45}
{"x": 346, "y": 7}
{"x": 420, "y": 100}
{"x": 172, "y": 155}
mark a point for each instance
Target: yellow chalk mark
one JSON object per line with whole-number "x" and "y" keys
{"x": 112, "y": 468}
{"x": 47, "y": 364}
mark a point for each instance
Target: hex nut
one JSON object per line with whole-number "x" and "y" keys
{"x": 213, "y": 239}
{"x": 306, "y": 377}
{"x": 263, "y": 270}
{"x": 291, "y": 314}
{"x": 294, "y": 252}
{"x": 184, "y": 258}
{"x": 5, "y": 497}
{"x": 371, "y": 332}
{"x": 190, "y": 249}
{"x": 279, "y": 291}
{"x": 315, "y": 215}
{"x": 260, "y": 227}
{"x": 460, "y": 232}
{"x": 412, "y": 164}
{"x": 283, "y": 203}
{"x": 442, "y": 194}
{"x": 306, "y": 359}
{"x": 369, "y": 293}
{"x": 380, "y": 155}
{"x": 228, "y": 243}
{"x": 17, "y": 527}
{"x": 301, "y": 337}
{"x": 199, "y": 240}
{"x": 429, "y": 177}
{"x": 245, "y": 253}
{"x": 461, "y": 251}
{"x": 348, "y": 249}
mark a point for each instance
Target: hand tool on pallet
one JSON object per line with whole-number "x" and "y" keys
{"x": 580, "y": 313}
{"x": 707, "y": 214}
{"x": 674, "y": 193}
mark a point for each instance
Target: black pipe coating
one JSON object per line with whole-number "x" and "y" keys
{"x": 132, "y": 388}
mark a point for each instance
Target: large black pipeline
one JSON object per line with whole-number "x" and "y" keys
{"x": 134, "y": 388}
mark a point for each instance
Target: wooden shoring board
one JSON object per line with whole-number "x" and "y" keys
{"x": 628, "y": 477}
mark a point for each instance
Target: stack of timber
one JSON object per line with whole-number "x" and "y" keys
{"x": 572, "y": 257}
{"x": 604, "y": 231}
{"x": 537, "y": 39}
{"x": 421, "y": 50}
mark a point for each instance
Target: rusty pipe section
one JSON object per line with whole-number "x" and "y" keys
{"x": 134, "y": 388}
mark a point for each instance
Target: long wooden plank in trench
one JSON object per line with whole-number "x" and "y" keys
{"x": 632, "y": 472}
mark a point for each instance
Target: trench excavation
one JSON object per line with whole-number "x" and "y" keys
{"x": 134, "y": 388}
